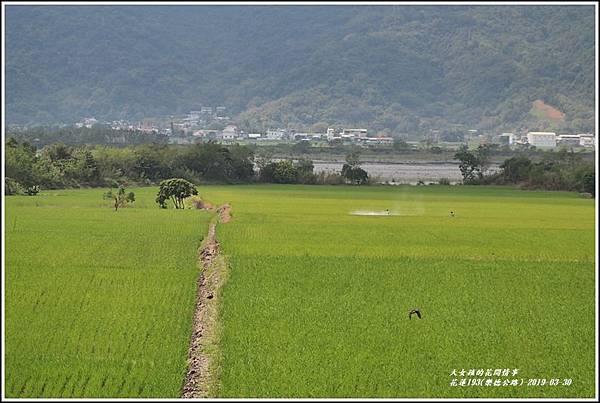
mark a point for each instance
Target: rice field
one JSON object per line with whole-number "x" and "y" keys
{"x": 317, "y": 299}
{"x": 98, "y": 303}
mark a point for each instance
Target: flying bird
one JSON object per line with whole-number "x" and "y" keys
{"x": 414, "y": 311}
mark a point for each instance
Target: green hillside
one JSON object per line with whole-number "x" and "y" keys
{"x": 400, "y": 69}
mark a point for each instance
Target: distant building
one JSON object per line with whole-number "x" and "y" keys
{"x": 354, "y": 133}
{"x": 331, "y": 133}
{"x": 569, "y": 139}
{"x": 276, "y": 134}
{"x": 254, "y": 136}
{"x": 194, "y": 115}
{"x": 380, "y": 140}
{"x": 87, "y": 122}
{"x": 206, "y": 110}
{"x": 231, "y": 132}
{"x": 302, "y": 136}
{"x": 199, "y": 133}
{"x": 542, "y": 139}
{"x": 506, "y": 139}
{"x": 220, "y": 111}
{"x": 587, "y": 140}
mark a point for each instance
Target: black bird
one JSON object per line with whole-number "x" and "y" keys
{"x": 414, "y": 311}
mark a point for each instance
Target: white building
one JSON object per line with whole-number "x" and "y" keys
{"x": 587, "y": 140}
{"x": 276, "y": 134}
{"x": 194, "y": 115}
{"x": 377, "y": 140}
{"x": 87, "y": 122}
{"x": 331, "y": 133}
{"x": 254, "y": 136}
{"x": 507, "y": 138}
{"x": 220, "y": 111}
{"x": 354, "y": 132}
{"x": 542, "y": 139}
{"x": 231, "y": 132}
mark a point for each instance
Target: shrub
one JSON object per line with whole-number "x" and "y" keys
{"x": 329, "y": 178}
{"x": 589, "y": 183}
{"x": 12, "y": 187}
{"x": 279, "y": 172}
{"x": 119, "y": 198}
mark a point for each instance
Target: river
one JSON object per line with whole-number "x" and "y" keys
{"x": 404, "y": 172}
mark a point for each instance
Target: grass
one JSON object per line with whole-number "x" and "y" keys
{"x": 317, "y": 300}
{"x": 98, "y": 303}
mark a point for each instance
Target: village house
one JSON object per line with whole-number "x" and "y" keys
{"x": 542, "y": 139}
{"x": 276, "y": 134}
{"x": 587, "y": 140}
{"x": 231, "y": 132}
{"x": 506, "y": 139}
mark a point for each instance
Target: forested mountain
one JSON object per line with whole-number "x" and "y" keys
{"x": 397, "y": 69}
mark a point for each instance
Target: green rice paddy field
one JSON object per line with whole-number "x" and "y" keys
{"x": 316, "y": 302}
{"x": 98, "y": 303}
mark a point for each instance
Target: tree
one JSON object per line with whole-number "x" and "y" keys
{"x": 280, "y": 172}
{"x": 400, "y": 144}
{"x": 175, "y": 189}
{"x": 473, "y": 164}
{"x": 120, "y": 198}
{"x": 516, "y": 169}
{"x": 285, "y": 172}
{"x": 19, "y": 163}
{"x": 589, "y": 183}
{"x": 302, "y": 147}
{"x": 352, "y": 171}
{"x": 305, "y": 168}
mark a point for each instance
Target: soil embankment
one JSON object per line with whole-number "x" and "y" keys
{"x": 201, "y": 375}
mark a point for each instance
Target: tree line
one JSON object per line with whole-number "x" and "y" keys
{"x": 560, "y": 170}
{"x": 55, "y": 166}
{"x": 59, "y": 166}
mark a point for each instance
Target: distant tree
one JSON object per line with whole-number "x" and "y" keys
{"x": 12, "y": 187}
{"x": 516, "y": 169}
{"x": 281, "y": 172}
{"x": 589, "y": 183}
{"x": 285, "y": 172}
{"x": 302, "y": 147}
{"x": 400, "y": 144}
{"x": 175, "y": 189}
{"x": 352, "y": 171}
{"x": 452, "y": 137}
{"x": 119, "y": 198}
{"x": 353, "y": 158}
{"x": 19, "y": 163}
{"x": 58, "y": 152}
{"x": 305, "y": 168}
{"x": 355, "y": 175}
{"x": 473, "y": 164}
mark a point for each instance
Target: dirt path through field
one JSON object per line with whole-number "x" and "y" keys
{"x": 201, "y": 376}
{"x": 224, "y": 213}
